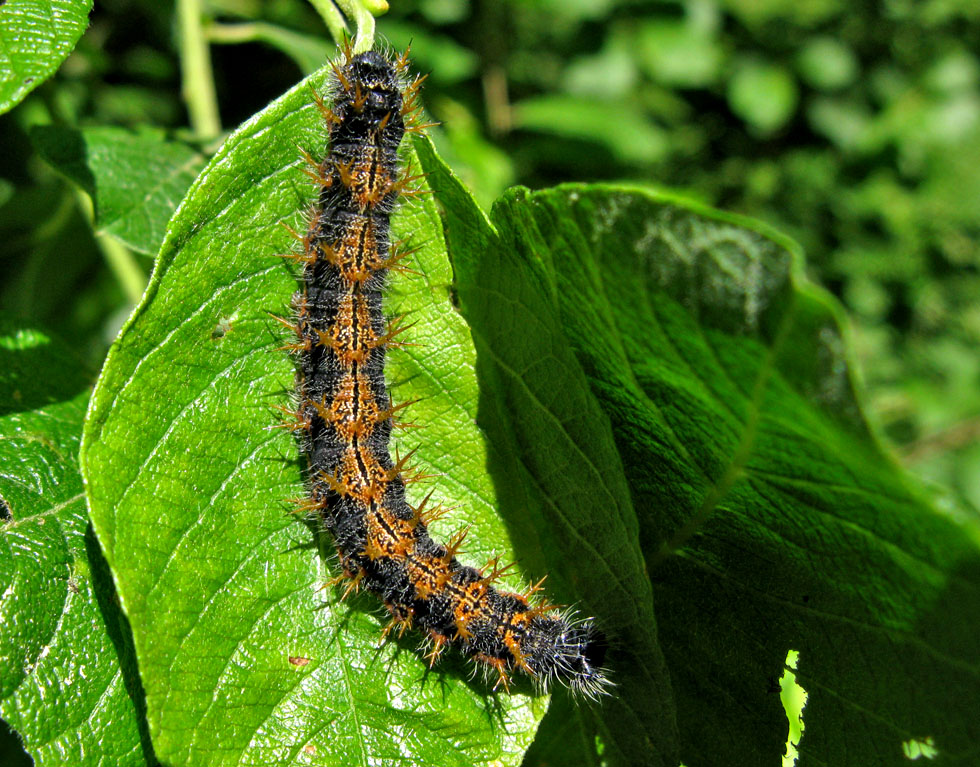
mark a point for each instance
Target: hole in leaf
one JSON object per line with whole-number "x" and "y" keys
{"x": 918, "y": 749}
{"x": 794, "y": 700}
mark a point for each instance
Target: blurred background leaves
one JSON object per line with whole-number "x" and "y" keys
{"x": 856, "y": 130}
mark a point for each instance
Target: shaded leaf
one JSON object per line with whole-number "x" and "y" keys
{"x": 135, "y": 178}
{"x": 769, "y": 518}
{"x": 559, "y": 478}
{"x": 67, "y": 682}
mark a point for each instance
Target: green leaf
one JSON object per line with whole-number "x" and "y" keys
{"x": 35, "y": 37}
{"x": 243, "y": 656}
{"x": 768, "y": 517}
{"x": 446, "y": 61}
{"x": 828, "y": 64}
{"x": 610, "y": 73}
{"x": 565, "y": 737}
{"x": 135, "y": 178}
{"x": 680, "y": 53}
{"x": 625, "y": 130}
{"x": 488, "y": 170}
{"x": 444, "y": 11}
{"x": 763, "y": 94}
{"x": 68, "y": 683}
{"x": 559, "y": 478}
{"x": 6, "y": 191}
{"x": 847, "y": 124}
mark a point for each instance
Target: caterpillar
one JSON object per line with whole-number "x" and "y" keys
{"x": 344, "y": 413}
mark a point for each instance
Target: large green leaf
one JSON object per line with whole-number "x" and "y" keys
{"x": 563, "y": 495}
{"x": 68, "y": 684}
{"x": 244, "y": 659}
{"x": 560, "y": 480}
{"x": 135, "y": 178}
{"x": 35, "y": 37}
{"x": 769, "y": 518}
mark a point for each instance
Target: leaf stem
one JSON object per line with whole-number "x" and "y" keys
{"x": 195, "y": 58}
{"x": 333, "y": 18}
{"x": 121, "y": 261}
{"x": 123, "y": 265}
{"x": 362, "y": 12}
{"x": 246, "y": 32}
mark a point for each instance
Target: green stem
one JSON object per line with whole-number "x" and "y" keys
{"x": 123, "y": 265}
{"x": 195, "y": 58}
{"x": 362, "y": 12}
{"x": 333, "y": 18}
{"x": 246, "y": 32}
{"x": 120, "y": 259}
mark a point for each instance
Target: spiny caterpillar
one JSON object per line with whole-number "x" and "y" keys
{"x": 345, "y": 414}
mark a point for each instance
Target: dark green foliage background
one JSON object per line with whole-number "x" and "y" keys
{"x": 856, "y": 131}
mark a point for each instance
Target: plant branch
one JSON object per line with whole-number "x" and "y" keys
{"x": 361, "y": 12}
{"x": 333, "y": 18}
{"x": 195, "y": 59}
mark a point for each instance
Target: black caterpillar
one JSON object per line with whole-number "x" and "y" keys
{"x": 345, "y": 414}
